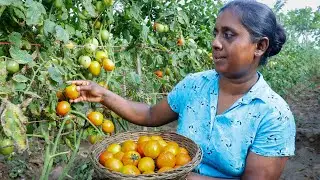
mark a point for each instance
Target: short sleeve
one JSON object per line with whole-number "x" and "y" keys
{"x": 276, "y": 135}
{"x": 177, "y": 98}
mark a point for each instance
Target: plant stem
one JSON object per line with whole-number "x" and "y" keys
{"x": 57, "y": 140}
{"x": 73, "y": 156}
{"x": 58, "y": 154}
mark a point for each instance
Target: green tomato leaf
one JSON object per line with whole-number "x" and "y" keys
{"x": 48, "y": 27}
{"x": 19, "y": 13}
{"x": 34, "y": 12}
{"x": 10, "y": 2}
{"x": 71, "y": 31}
{"x": 3, "y": 72}
{"x": 21, "y": 56}
{"x": 55, "y": 75}
{"x": 15, "y": 38}
{"x": 20, "y": 78}
{"x": 89, "y": 7}
{"x": 144, "y": 33}
{"x": 61, "y": 34}
{"x": 19, "y": 86}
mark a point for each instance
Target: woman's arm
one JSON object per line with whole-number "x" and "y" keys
{"x": 137, "y": 113}
{"x": 263, "y": 168}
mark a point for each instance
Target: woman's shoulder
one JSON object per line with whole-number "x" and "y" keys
{"x": 208, "y": 75}
{"x": 273, "y": 101}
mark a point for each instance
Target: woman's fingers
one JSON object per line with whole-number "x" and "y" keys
{"x": 79, "y": 99}
{"x": 80, "y": 82}
{"x": 84, "y": 88}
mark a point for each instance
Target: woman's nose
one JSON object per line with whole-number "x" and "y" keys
{"x": 216, "y": 44}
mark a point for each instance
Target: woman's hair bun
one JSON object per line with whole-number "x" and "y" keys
{"x": 279, "y": 39}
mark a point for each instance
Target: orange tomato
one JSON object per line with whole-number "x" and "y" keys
{"x": 180, "y": 42}
{"x": 104, "y": 156}
{"x": 171, "y": 148}
{"x": 183, "y": 151}
{"x": 162, "y": 143}
{"x": 113, "y": 164}
{"x": 131, "y": 157}
{"x": 152, "y": 149}
{"x": 130, "y": 170}
{"x": 60, "y": 95}
{"x": 166, "y": 159}
{"x": 129, "y": 145}
{"x": 119, "y": 155}
{"x": 107, "y": 126}
{"x": 63, "y": 107}
{"x": 71, "y": 92}
{"x": 143, "y": 138}
{"x": 182, "y": 159}
{"x": 173, "y": 143}
{"x": 157, "y": 138}
{"x": 159, "y": 73}
{"x": 146, "y": 164}
{"x": 108, "y": 65}
{"x": 140, "y": 148}
{"x": 95, "y": 117}
{"x": 148, "y": 172}
{"x": 164, "y": 169}
{"x": 114, "y": 148}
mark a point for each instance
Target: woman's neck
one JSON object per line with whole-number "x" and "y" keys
{"x": 238, "y": 86}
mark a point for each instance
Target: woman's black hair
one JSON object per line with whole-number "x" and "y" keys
{"x": 261, "y": 22}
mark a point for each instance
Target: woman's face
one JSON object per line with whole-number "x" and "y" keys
{"x": 233, "y": 51}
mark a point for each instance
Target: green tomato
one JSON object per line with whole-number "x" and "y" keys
{"x": 100, "y": 55}
{"x": 90, "y": 47}
{"x": 85, "y": 61}
{"x": 6, "y": 146}
{"x": 165, "y": 28}
{"x": 97, "y": 25}
{"x": 159, "y": 28}
{"x": 99, "y": 6}
{"x": 12, "y": 67}
{"x": 95, "y": 41}
{"x": 58, "y": 4}
{"x": 104, "y": 34}
{"x": 108, "y": 2}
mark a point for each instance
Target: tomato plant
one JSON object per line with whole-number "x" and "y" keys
{"x": 153, "y": 45}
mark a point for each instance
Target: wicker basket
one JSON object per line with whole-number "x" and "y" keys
{"x": 177, "y": 173}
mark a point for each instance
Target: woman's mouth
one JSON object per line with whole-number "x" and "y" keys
{"x": 218, "y": 59}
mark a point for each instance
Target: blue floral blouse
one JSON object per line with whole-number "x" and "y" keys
{"x": 260, "y": 121}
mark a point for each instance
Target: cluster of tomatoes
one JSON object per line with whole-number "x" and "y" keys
{"x": 150, "y": 154}
{"x": 95, "y": 117}
{"x": 100, "y": 56}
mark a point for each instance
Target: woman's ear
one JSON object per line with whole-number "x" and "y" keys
{"x": 262, "y": 46}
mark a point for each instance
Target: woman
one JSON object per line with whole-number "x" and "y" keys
{"x": 244, "y": 129}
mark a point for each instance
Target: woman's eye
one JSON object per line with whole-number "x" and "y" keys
{"x": 228, "y": 35}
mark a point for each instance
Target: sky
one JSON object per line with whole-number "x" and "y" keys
{"x": 294, "y": 4}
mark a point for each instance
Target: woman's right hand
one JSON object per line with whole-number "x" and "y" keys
{"x": 89, "y": 91}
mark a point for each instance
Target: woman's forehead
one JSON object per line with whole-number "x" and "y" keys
{"x": 228, "y": 18}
